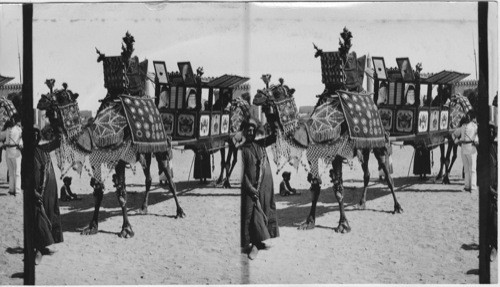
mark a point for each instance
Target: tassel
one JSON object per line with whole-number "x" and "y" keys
{"x": 152, "y": 147}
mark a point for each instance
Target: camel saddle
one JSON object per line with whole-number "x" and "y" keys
{"x": 324, "y": 125}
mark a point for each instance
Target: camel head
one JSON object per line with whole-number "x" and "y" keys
{"x": 275, "y": 96}
{"x": 240, "y": 111}
{"x": 54, "y": 104}
{"x": 459, "y": 107}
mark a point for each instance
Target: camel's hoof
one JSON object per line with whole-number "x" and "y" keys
{"x": 180, "y": 213}
{"x": 226, "y": 184}
{"x": 343, "y": 228}
{"x": 361, "y": 206}
{"x": 397, "y": 209}
{"x": 446, "y": 180}
{"x": 144, "y": 210}
{"x": 439, "y": 176}
{"x": 219, "y": 181}
{"x": 307, "y": 225}
{"x": 91, "y": 230}
{"x": 127, "y": 232}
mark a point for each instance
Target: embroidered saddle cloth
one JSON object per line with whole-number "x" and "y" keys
{"x": 145, "y": 124}
{"x": 363, "y": 120}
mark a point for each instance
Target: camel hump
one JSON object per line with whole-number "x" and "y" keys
{"x": 324, "y": 124}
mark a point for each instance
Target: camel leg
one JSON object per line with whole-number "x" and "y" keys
{"x": 338, "y": 188}
{"x": 98, "y": 195}
{"x": 164, "y": 165}
{"x": 222, "y": 165}
{"x": 451, "y": 147}
{"x": 442, "y": 161}
{"x": 98, "y": 187}
{"x": 233, "y": 152}
{"x": 379, "y": 154}
{"x": 121, "y": 194}
{"x": 147, "y": 175}
{"x": 311, "y": 218}
{"x": 366, "y": 177}
{"x": 315, "y": 188}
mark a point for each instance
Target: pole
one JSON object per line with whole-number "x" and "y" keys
{"x": 369, "y": 81}
{"x": 28, "y": 152}
{"x": 483, "y": 164}
{"x": 19, "y": 59}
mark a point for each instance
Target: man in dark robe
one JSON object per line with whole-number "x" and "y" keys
{"x": 48, "y": 218}
{"x": 259, "y": 220}
{"x": 422, "y": 162}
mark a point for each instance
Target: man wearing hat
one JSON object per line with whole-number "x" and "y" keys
{"x": 259, "y": 220}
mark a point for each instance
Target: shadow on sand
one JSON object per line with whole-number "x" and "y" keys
{"x": 80, "y": 211}
{"x": 298, "y": 206}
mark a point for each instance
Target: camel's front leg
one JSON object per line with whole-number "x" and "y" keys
{"x": 121, "y": 194}
{"x": 222, "y": 165}
{"x": 366, "y": 177}
{"x": 338, "y": 188}
{"x": 451, "y": 147}
{"x": 98, "y": 195}
{"x": 379, "y": 155}
{"x": 311, "y": 218}
{"x": 146, "y": 164}
{"x": 163, "y": 165}
{"x": 233, "y": 152}
{"x": 442, "y": 161}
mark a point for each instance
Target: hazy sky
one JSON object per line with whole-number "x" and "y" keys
{"x": 237, "y": 38}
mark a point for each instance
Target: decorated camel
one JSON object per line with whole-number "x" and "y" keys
{"x": 127, "y": 124}
{"x": 345, "y": 123}
{"x": 459, "y": 106}
{"x": 240, "y": 111}
{"x": 7, "y": 109}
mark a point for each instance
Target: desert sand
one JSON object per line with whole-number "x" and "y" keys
{"x": 433, "y": 241}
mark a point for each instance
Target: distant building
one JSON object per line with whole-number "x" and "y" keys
{"x": 85, "y": 116}
{"x": 7, "y": 89}
{"x": 305, "y": 111}
{"x": 461, "y": 86}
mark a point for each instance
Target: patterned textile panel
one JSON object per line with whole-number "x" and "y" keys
{"x": 186, "y": 124}
{"x": 145, "y": 123}
{"x": 109, "y": 125}
{"x": 70, "y": 115}
{"x": 386, "y": 115}
{"x": 224, "y": 126}
{"x": 404, "y": 121}
{"x": 114, "y": 73}
{"x": 443, "y": 123}
{"x": 7, "y": 109}
{"x": 239, "y": 112}
{"x": 363, "y": 120}
{"x": 459, "y": 106}
{"x": 331, "y": 68}
{"x": 168, "y": 122}
{"x": 423, "y": 121}
{"x": 434, "y": 121}
{"x": 288, "y": 113}
{"x": 136, "y": 75}
{"x": 324, "y": 124}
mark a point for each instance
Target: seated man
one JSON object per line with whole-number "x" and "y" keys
{"x": 285, "y": 188}
{"x": 66, "y": 193}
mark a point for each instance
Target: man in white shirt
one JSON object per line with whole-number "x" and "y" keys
{"x": 466, "y": 135}
{"x": 14, "y": 144}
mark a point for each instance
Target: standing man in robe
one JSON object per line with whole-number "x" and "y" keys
{"x": 259, "y": 220}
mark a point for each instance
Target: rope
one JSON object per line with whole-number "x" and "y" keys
{"x": 411, "y": 160}
{"x": 191, "y": 168}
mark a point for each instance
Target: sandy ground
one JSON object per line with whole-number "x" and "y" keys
{"x": 433, "y": 241}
